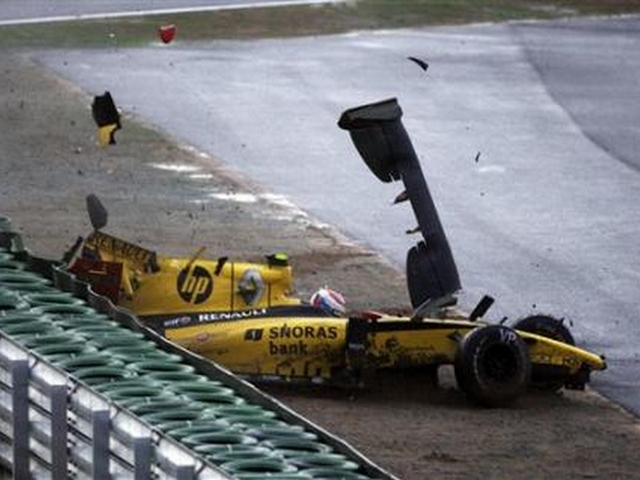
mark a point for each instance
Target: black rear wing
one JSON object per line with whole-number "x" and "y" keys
{"x": 380, "y": 138}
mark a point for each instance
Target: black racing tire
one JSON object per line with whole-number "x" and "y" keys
{"x": 492, "y": 366}
{"x": 549, "y": 327}
{"x": 545, "y": 326}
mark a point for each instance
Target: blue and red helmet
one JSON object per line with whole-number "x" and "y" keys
{"x": 329, "y": 301}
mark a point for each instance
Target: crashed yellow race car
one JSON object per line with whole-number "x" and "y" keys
{"x": 242, "y": 316}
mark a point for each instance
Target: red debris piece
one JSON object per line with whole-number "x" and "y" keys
{"x": 167, "y": 32}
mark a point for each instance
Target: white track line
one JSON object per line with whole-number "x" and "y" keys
{"x": 165, "y": 11}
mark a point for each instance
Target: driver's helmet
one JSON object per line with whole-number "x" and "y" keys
{"x": 329, "y": 301}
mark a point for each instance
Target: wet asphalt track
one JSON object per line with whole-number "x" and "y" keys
{"x": 546, "y": 220}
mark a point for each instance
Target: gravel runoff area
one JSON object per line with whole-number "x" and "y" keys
{"x": 173, "y": 198}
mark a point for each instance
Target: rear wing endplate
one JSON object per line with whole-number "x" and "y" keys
{"x": 380, "y": 138}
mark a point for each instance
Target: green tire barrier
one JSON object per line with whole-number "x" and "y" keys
{"x": 57, "y": 298}
{"x": 132, "y": 353}
{"x": 231, "y": 407}
{"x": 160, "y": 366}
{"x": 334, "y": 473}
{"x": 282, "y": 431}
{"x": 21, "y": 318}
{"x": 196, "y": 387}
{"x": 93, "y": 329}
{"x": 261, "y": 465}
{"x": 63, "y": 310}
{"x": 176, "y": 424}
{"x": 199, "y": 427}
{"x": 210, "y": 400}
{"x": 60, "y": 357}
{"x": 292, "y": 447}
{"x": 254, "y": 452}
{"x": 273, "y": 476}
{"x": 209, "y": 394}
{"x": 11, "y": 302}
{"x": 77, "y": 321}
{"x": 132, "y": 396}
{"x": 323, "y": 460}
{"x": 130, "y": 346}
{"x": 119, "y": 339}
{"x": 169, "y": 377}
{"x": 140, "y": 352}
{"x": 88, "y": 360}
{"x": 18, "y": 281}
{"x": 52, "y": 339}
{"x": 30, "y": 329}
{"x": 100, "y": 375}
{"x": 211, "y": 449}
{"x": 219, "y": 438}
{"x": 126, "y": 382}
{"x": 185, "y": 414}
{"x": 63, "y": 350}
{"x": 251, "y": 421}
{"x": 163, "y": 405}
{"x": 7, "y": 266}
{"x": 12, "y": 274}
{"x": 245, "y": 410}
{"x": 161, "y": 355}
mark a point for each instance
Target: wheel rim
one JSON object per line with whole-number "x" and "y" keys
{"x": 499, "y": 363}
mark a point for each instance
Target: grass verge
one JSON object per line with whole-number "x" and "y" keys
{"x": 302, "y": 20}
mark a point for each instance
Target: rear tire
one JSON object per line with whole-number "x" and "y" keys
{"x": 545, "y": 326}
{"x": 492, "y": 366}
{"x": 549, "y": 327}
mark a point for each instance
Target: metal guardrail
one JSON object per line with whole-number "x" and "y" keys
{"x": 53, "y": 426}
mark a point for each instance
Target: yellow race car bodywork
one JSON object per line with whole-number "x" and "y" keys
{"x": 152, "y": 285}
{"x": 242, "y": 316}
{"x": 270, "y": 344}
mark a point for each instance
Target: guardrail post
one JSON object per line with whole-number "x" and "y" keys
{"x": 59, "y": 431}
{"x": 20, "y": 406}
{"x": 142, "y": 450}
{"x": 185, "y": 472}
{"x": 100, "y": 450}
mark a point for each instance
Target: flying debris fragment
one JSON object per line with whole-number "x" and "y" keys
{"x": 401, "y": 197}
{"x": 167, "y": 32}
{"x": 477, "y": 157}
{"x": 421, "y": 63}
{"x": 106, "y": 117}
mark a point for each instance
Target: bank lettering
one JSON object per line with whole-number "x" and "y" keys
{"x": 296, "y": 348}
